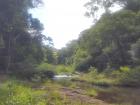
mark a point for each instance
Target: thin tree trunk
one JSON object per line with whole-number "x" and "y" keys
{"x": 9, "y": 55}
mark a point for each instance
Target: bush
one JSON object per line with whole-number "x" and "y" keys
{"x": 124, "y": 69}
{"x": 46, "y": 66}
{"x": 55, "y": 68}
{"x": 131, "y": 77}
{"x": 64, "y": 69}
{"x": 23, "y": 70}
{"x": 46, "y": 74}
{"x": 83, "y": 66}
{"x": 30, "y": 72}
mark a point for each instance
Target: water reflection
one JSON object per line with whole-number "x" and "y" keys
{"x": 120, "y": 95}
{"x": 64, "y": 76}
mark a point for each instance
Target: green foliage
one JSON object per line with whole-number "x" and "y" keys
{"x": 91, "y": 92}
{"x": 17, "y": 93}
{"x": 46, "y": 66}
{"x": 13, "y": 93}
{"x": 135, "y": 51}
{"x": 32, "y": 72}
{"x": 107, "y": 43}
{"x": 50, "y": 54}
{"x": 56, "y": 68}
{"x": 66, "y": 55}
{"x": 124, "y": 76}
{"x": 111, "y": 45}
{"x": 81, "y": 60}
{"x": 83, "y": 65}
{"x": 23, "y": 70}
{"x": 95, "y": 78}
{"x": 64, "y": 69}
{"x": 124, "y": 69}
{"x": 20, "y": 33}
{"x": 93, "y": 6}
{"x": 131, "y": 77}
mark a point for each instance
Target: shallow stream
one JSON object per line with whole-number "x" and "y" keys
{"x": 118, "y": 95}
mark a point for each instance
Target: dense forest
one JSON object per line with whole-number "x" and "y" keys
{"x": 106, "y": 54}
{"x": 21, "y": 37}
{"x": 112, "y": 42}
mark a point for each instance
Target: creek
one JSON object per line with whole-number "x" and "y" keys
{"x": 109, "y": 94}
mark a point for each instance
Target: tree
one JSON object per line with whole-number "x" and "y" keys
{"x": 18, "y": 30}
{"x": 65, "y": 55}
{"x": 135, "y": 52}
{"x": 95, "y": 5}
{"x": 108, "y": 42}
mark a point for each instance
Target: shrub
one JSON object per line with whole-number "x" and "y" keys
{"x": 131, "y": 77}
{"x": 45, "y": 71}
{"x": 55, "y": 68}
{"x": 91, "y": 92}
{"x": 64, "y": 69}
{"x": 13, "y": 93}
{"x": 46, "y": 66}
{"x": 83, "y": 65}
{"x": 124, "y": 69}
{"x": 46, "y": 74}
{"x": 23, "y": 70}
{"x": 29, "y": 72}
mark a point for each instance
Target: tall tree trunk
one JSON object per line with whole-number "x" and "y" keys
{"x": 9, "y": 54}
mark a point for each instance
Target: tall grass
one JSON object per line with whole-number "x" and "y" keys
{"x": 17, "y": 93}
{"x": 14, "y": 93}
{"x": 124, "y": 76}
{"x": 130, "y": 77}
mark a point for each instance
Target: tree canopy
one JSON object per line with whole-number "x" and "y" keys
{"x": 113, "y": 41}
{"x": 20, "y": 33}
{"x": 94, "y": 6}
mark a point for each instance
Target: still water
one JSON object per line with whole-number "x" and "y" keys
{"x": 119, "y": 95}
{"x": 111, "y": 95}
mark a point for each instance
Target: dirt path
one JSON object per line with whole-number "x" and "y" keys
{"x": 78, "y": 94}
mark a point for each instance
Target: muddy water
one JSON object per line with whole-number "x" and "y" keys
{"x": 119, "y": 95}
{"x": 111, "y": 95}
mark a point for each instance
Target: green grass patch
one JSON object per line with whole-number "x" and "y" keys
{"x": 91, "y": 92}
{"x": 14, "y": 93}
